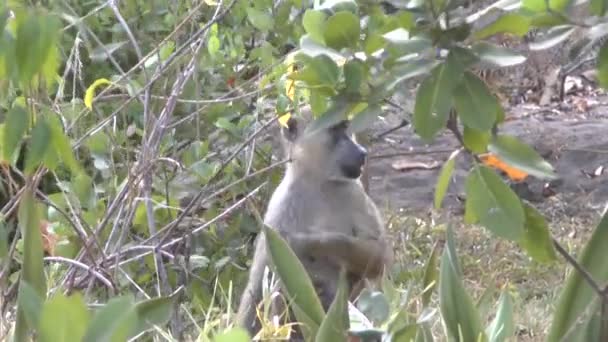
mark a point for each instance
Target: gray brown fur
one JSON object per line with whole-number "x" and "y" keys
{"x": 327, "y": 218}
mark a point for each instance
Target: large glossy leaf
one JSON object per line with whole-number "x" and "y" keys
{"x": 503, "y": 325}
{"x": 30, "y": 304}
{"x": 365, "y": 119}
{"x": 320, "y": 72}
{"x": 545, "y": 5}
{"x": 521, "y": 156}
{"x": 493, "y": 204}
{"x": 576, "y": 302}
{"x": 408, "y": 71}
{"x": 294, "y": 276}
{"x": 458, "y": 311}
{"x": 476, "y": 141}
{"x": 443, "y": 181}
{"x": 15, "y": 126}
{"x": 434, "y": 100}
{"x": 261, "y": 20}
{"x": 335, "y": 324}
{"x": 513, "y": 23}
{"x": 36, "y": 38}
{"x": 32, "y": 270}
{"x": 342, "y": 30}
{"x": 63, "y": 319}
{"x": 61, "y": 144}
{"x": 113, "y": 322}
{"x": 475, "y": 104}
{"x": 335, "y": 114}
{"x": 536, "y": 240}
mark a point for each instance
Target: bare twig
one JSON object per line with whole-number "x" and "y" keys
{"x": 85, "y": 267}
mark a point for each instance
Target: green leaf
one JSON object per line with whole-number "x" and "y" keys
{"x": 434, "y": 100}
{"x": 30, "y": 303}
{"x": 61, "y": 144}
{"x": 155, "y": 311}
{"x": 443, "y": 181}
{"x": 458, "y": 311}
{"x": 431, "y": 276}
{"x": 335, "y": 324}
{"x": 15, "y": 126}
{"x": 537, "y": 239}
{"x": 319, "y": 72}
{"x": 113, "y": 322}
{"x": 342, "y": 30}
{"x": 491, "y": 202}
{"x": 476, "y": 141}
{"x": 514, "y": 23}
{"x": 334, "y": 6}
{"x": 39, "y": 145}
{"x": 553, "y": 37}
{"x": 335, "y": 114}
{"x": 503, "y": 326}
{"x": 598, "y": 7}
{"x": 545, "y": 5}
{"x": 314, "y": 22}
{"x": 365, "y": 118}
{"x": 572, "y": 313}
{"x": 3, "y": 241}
{"x": 354, "y": 73}
{"x": 374, "y": 305}
{"x": 410, "y": 70}
{"x": 36, "y": 37}
{"x": 294, "y": 277}
{"x": 236, "y": 334}
{"x": 32, "y": 271}
{"x": 497, "y": 56}
{"x": 521, "y": 156}
{"x": 259, "y": 19}
{"x": 475, "y": 104}
{"x": 602, "y": 66}
{"x": 63, "y": 319}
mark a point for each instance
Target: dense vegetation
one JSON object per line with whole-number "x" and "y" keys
{"x": 136, "y": 158}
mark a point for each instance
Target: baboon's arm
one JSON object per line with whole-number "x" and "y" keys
{"x": 252, "y": 295}
{"x": 364, "y": 257}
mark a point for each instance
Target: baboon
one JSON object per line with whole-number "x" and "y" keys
{"x": 321, "y": 209}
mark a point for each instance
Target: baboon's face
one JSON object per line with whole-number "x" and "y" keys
{"x": 330, "y": 153}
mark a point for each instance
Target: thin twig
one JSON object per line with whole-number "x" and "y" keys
{"x": 85, "y": 267}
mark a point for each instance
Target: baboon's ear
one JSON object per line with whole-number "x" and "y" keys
{"x": 290, "y": 133}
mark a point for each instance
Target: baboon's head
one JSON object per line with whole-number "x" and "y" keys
{"x": 327, "y": 153}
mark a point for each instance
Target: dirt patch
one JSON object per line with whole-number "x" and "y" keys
{"x": 575, "y": 142}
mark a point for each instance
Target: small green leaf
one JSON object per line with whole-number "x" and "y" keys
{"x": 236, "y": 334}
{"x": 497, "y": 56}
{"x": 475, "y": 104}
{"x": 443, "y": 181}
{"x": 39, "y": 145}
{"x": 294, "y": 277}
{"x": 458, "y": 311}
{"x": 537, "y": 239}
{"x": 319, "y": 72}
{"x": 514, "y": 23}
{"x": 434, "y": 100}
{"x": 503, "y": 326}
{"x": 314, "y": 22}
{"x": 365, "y": 118}
{"x": 15, "y": 126}
{"x": 259, "y": 19}
{"x": 476, "y": 141}
{"x": 113, "y": 322}
{"x": 521, "y": 156}
{"x": 342, "y": 30}
{"x": 155, "y": 311}
{"x": 61, "y": 144}
{"x": 491, "y": 202}
{"x": 30, "y": 303}
{"x": 553, "y": 37}
{"x": 431, "y": 276}
{"x": 32, "y": 270}
{"x": 335, "y": 323}
{"x": 63, "y": 319}
{"x": 354, "y": 73}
